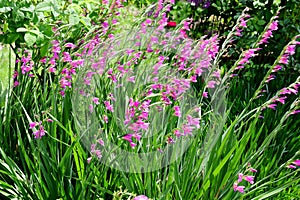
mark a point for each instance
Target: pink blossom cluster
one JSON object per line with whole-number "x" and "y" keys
{"x": 283, "y": 95}
{"x": 269, "y": 33}
{"x": 96, "y": 151}
{"x": 242, "y": 23}
{"x": 137, "y": 113}
{"x": 27, "y": 63}
{"x": 241, "y": 177}
{"x": 188, "y": 127}
{"x": 294, "y": 164}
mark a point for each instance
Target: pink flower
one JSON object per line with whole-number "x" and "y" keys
{"x": 49, "y": 120}
{"x": 297, "y": 162}
{"x": 252, "y": 170}
{"x": 290, "y": 49}
{"x": 211, "y": 84}
{"x": 277, "y": 68}
{"x": 205, "y": 94}
{"x": 39, "y": 133}
{"x": 170, "y": 140}
{"x": 108, "y": 106}
{"x": 101, "y": 142}
{"x": 272, "y": 106}
{"x": 132, "y": 145}
{"x": 177, "y": 111}
{"x": 178, "y": 133}
{"x": 291, "y": 166}
{"x": 96, "y": 100}
{"x": 284, "y": 59}
{"x": 193, "y": 121}
{"x": 105, "y": 118}
{"x": 131, "y": 79}
{"x": 70, "y": 45}
{"x": 274, "y": 25}
{"x": 280, "y": 99}
{"x": 32, "y": 125}
{"x": 250, "y": 179}
{"x": 240, "y": 177}
{"x": 141, "y": 197}
{"x": 127, "y": 137}
{"x": 295, "y": 112}
{"x": 89, "y": 160}
{"x": 16, "y": 83}
{"x": 98, "y": 153}
{"x": 238, "y": 188}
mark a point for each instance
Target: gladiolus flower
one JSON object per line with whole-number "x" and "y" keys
{"x": 32, "y": 125}
{"x": 89, "y": 160}
{"x": 177, "y": 111}
{"x": 240, "y": 177}
{"x": 297, "y": 162}
{"x": 250, "y": 179}
{"x": 252, "y": 170}
{"x": 238, "y": 188}
{"x": 291, "y": 166}
{"x": 141, "y": 197}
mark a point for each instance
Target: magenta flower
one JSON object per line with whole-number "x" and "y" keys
{"x": 131, "y": 79}
{"x": 96, "y": 100}
{"x": 39, "y": 133}
{"x": 132, "y": 144}
{"x": 240, "y": 177}
{"x": 49, "y": 120}
{"x": 291, "y": 166}
{"x": 89, "y": 160}
{"x": 101, "y": 142}
{"x": 141, "y": 197}
{"x": 105, "y": 118}
{"x": 280, "y": 99}
{"x": 238, "y": 188}
{"x": 32, "y": 125}
{"x": 108, "y": 106}
{"x": 16, "y": 83}
{"x": 211, "y": 84}
{"x": 272, "y": 106}
{"x": 91, "y": 108}
{"x": 252, "y": 170}
{"x": 277, "y": 68}
{"x": 127, "y": 137}
{"x": 193, "y": 121}
{"x": 177, "y": 111}
{"x": 290, "y": 49}
{"x": 284, "y": 59}
{"x": 178, "y": 133}
{"x": 297, "y": 162}
{"x": 70, "y": 45}
{"x": 295, "y": 112}
{"x": 249, "y": 179}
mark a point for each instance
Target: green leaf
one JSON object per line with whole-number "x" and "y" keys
{"x": 30, "y": 39}
{"x": 40, "y": 39}
{"x": 22, "y": 29}
{"x": 43, "y": 6}
{"x": 11, "y": 38}
{"x": 277, "y": 2}
{"x": 261, "y": 22}
{"x": 73, "y": 19}
{"x": 5, "y": 27}
{"x": 5, "y": 9}
{"x": 44, "y": 49}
